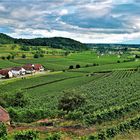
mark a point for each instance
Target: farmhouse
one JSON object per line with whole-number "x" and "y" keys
{"x": 29, "y": 68}
{"x": 18, "y": 71}
{"x": 6, "y": 73}
{"x": 38, "y": 67}
{"x": 4, "y": 116}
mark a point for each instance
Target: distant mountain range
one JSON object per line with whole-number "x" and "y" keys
{"x": 54, "y": 42}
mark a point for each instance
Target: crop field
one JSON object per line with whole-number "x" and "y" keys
{"x": 109, "y": 85}
{"x": 109, "y": 96}
{"x": 7, "y": 64}
{"x": 110, "y": 67}
{"x": 83, "y": 59}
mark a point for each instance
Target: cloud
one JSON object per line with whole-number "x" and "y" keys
{"x": 99, "y": 21}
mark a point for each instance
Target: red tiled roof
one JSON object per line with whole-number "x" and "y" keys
{"x": 4, "y": 116}
{"x": 4, "y": 71}
{"x": 28, "y": 67}
{"x": 37, "y": 66}
{"x": 34, "y": 66}
{"x": 17, "y": 68}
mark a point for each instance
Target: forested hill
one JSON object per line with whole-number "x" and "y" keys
{"x": 54, "y": 42}
{"x": 5, "y": 39}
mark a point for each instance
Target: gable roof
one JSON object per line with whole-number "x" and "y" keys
{"x": 28, "y": 67}
{"x": 37, "y": 66}
{"x": 4, "y": 115}
{"x": 4, "y": 72}
{"x": 17, "y": 68}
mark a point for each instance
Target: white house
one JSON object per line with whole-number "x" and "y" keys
{"x": 29, "y": 68}
{"x": 16, "y": 71}
{"x": 6, "y": 73}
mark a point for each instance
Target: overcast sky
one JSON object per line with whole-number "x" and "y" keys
{"x": 92, "y": 21}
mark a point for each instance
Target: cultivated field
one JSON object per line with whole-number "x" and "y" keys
{"x": 107, "y": 85}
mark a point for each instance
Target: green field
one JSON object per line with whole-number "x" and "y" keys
{"x": 111, "y": 92}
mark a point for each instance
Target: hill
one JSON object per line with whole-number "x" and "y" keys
{"x": 5, "y": 39}
{"x": 54, "y": 42}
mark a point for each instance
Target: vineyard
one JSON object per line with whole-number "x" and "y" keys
{"x": 111, "y": 98}
{"x": 107, "y": 87}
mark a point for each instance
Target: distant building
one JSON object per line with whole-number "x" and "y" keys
{"x": 6, "y": 73}
{"x": 38, "y": 67}
{"x": 18, "y": 71}
{"x": 29, "y": 68}
{"x": 4, "y": 116}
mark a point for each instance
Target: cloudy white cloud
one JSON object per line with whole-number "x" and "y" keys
{"x": 97, "y": 21}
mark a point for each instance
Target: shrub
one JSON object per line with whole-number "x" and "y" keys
{"x": 70, "y": 102}
{"x": 26, "y": 135}
{"x": 78, "y": 66}
{"x": 55, "y": 136}
{"x": 3, "y": 57}
{"x": 3, "y": 131}
{"x": 8, "y": 57}
{"x": 23, "y": 56}
{"x": 18, "y": 100}
{"x": 36, "y": 55}
{"x": 71, "y": 67}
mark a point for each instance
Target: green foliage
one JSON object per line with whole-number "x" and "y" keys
{"x": 17, "y": 100}
{"x": 55, "y": 42}
{"x": 4, "y": 39}
{"x": 53, "y": 136}
{"x": 26, "y": 135}
{"x": 36, "y": 55}
{"x": 3, "y": 131}
{"x": 25, "y": 48}
{"x": 71, "y": 67}
{"x": 8, "y": 57}
{"x": 71, "y": 101}
{"x": 3, "y": 57}
{"x": 23, "y": 56}
{"x": 78, "y": 66}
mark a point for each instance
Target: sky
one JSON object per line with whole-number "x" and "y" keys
{"x": 88, "y": 21}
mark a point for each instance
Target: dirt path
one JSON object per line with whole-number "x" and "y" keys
{"x": 75, "y": 131}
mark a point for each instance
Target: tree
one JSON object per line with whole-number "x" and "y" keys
{"x": 41, "y": 55}
{"x": 23, "y": 56}
{"x": 70, "y": 102}
{"x": 3, "y": 57}
{"x": 78, "y": 66}
{"x": 118, "y": 61}
{"x": 71, "y": 67}
{"x": 18, "y": 100}
{"x": 8, "y": 57}
{"x": 36, "y": 55}
{"x": 12, "y": 56}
